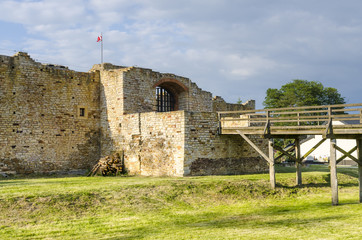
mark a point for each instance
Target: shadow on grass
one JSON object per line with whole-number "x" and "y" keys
{"x": 262, "y": 220}
{"x": 353, "y": 172}
{"x": 219, "y": 224}
{"x": 327, "y": 183}
{"x": 309, "y": 168}
{"x": 317, "y": 168}
{"x": 306, "y": 185}
{"x": 207, "y": 222}
{"x": 7, "y": 182}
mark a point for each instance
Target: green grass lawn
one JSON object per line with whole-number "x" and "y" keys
{"x": 212, "y": 207}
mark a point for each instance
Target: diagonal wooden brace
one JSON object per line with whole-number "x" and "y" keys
{"x": 284, "y": 152}
{"x": 347, "y": 154}
{"x": 313, "y": 148}
{"x": 289, "y": 149}
{"x": 344, "y": 156}
{"x": 255, "y": 147}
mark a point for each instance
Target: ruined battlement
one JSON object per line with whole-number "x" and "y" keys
{"x": 56, "y": 119}
{"x": 219, "y": 104}
{"x": 49, "y": 116}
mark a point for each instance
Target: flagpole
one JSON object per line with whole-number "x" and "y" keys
{"x": 101, "y": 48}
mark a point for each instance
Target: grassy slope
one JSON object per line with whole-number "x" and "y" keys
{"x": 219, "y": 207}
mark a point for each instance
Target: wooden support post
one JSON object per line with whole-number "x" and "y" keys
{"x": 271, "y": 164}
{"x": 269, "y": 159}
{"x": 333, "y": 168}
{"x": 359, "y": 157}
{"x": 298, "y": 162}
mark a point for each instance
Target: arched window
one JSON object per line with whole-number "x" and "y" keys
{"x": 165, "y": 100}
{"x": 171, "y": 95}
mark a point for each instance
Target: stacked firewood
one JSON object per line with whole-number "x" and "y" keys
{"x": 108, "y": 166}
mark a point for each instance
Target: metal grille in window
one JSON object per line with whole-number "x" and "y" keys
{"x": 81, "y": 112}
{"x": 165, "y": 100}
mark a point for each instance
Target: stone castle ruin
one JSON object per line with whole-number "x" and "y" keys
{"x": 53, "y": 119}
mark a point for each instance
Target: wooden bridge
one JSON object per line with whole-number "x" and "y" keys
{"x": 297, "y": 123}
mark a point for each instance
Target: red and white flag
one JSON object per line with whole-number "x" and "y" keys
{"x": 100, "y": 39}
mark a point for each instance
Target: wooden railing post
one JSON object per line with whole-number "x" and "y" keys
{"x": 298, "y": 115}
{"x": 267, "y": 124}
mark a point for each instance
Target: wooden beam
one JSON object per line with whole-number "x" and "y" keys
{"x": 333, "y": 168}
{"x": 271, "y": 165}
{"x": 255, "y": 147}
{"x": 298, "y": 162}
{"x": 284, "y": 153}
{"x": 359, "y": 156}
{"x": 348, "y": 136}
{"x": 267, "y": 124}
{"x": 267, "y": 128}
{"x": 289, "y": 149}
{"x": 345, "y": 155}
{"x": 313, "y": 148}
{"x": 329, "y": 128}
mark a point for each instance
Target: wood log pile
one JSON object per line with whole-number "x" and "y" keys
{"x": 108, "y": 166}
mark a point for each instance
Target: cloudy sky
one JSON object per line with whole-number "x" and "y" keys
{"x": 232, "y": 48}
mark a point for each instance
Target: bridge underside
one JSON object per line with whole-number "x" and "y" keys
{"x": 288, "y": 132}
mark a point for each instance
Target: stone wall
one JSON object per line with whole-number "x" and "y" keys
{"x": 153, "y": 143}
{"x": 219, "y": 104}
{"x": 41, "y": 127}
{"x": 139, "y": 91}
{"x": 185, "y": 143}
{"x": 125, "y": 90}
{"x": 56, "y": 119}
{"x": 111, "y": 107}
{"x": 136, "y": 89}
{"x": 208, "y": 153}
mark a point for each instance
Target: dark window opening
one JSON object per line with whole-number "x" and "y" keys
{"x": 165, "y": 100}
{"x": 81, "y": 112}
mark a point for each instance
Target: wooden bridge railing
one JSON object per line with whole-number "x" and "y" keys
{"x": 296, "y": 123}
{"x": 288, "y": 117}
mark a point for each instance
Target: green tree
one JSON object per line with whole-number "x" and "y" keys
{"x": 302, "y": 93}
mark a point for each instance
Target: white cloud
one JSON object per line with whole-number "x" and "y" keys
{"x": 232, "y": 48}
{"x": 41, "y": 12}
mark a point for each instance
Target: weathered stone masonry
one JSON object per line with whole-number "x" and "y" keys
{"x": 40, "y": 126}
{"x": 55, "y": 119}
{"x": 208, "y": 153}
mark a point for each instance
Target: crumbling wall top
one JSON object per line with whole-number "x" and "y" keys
{"x": 219, "y": 104}
{"x": 105, "y": 66}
